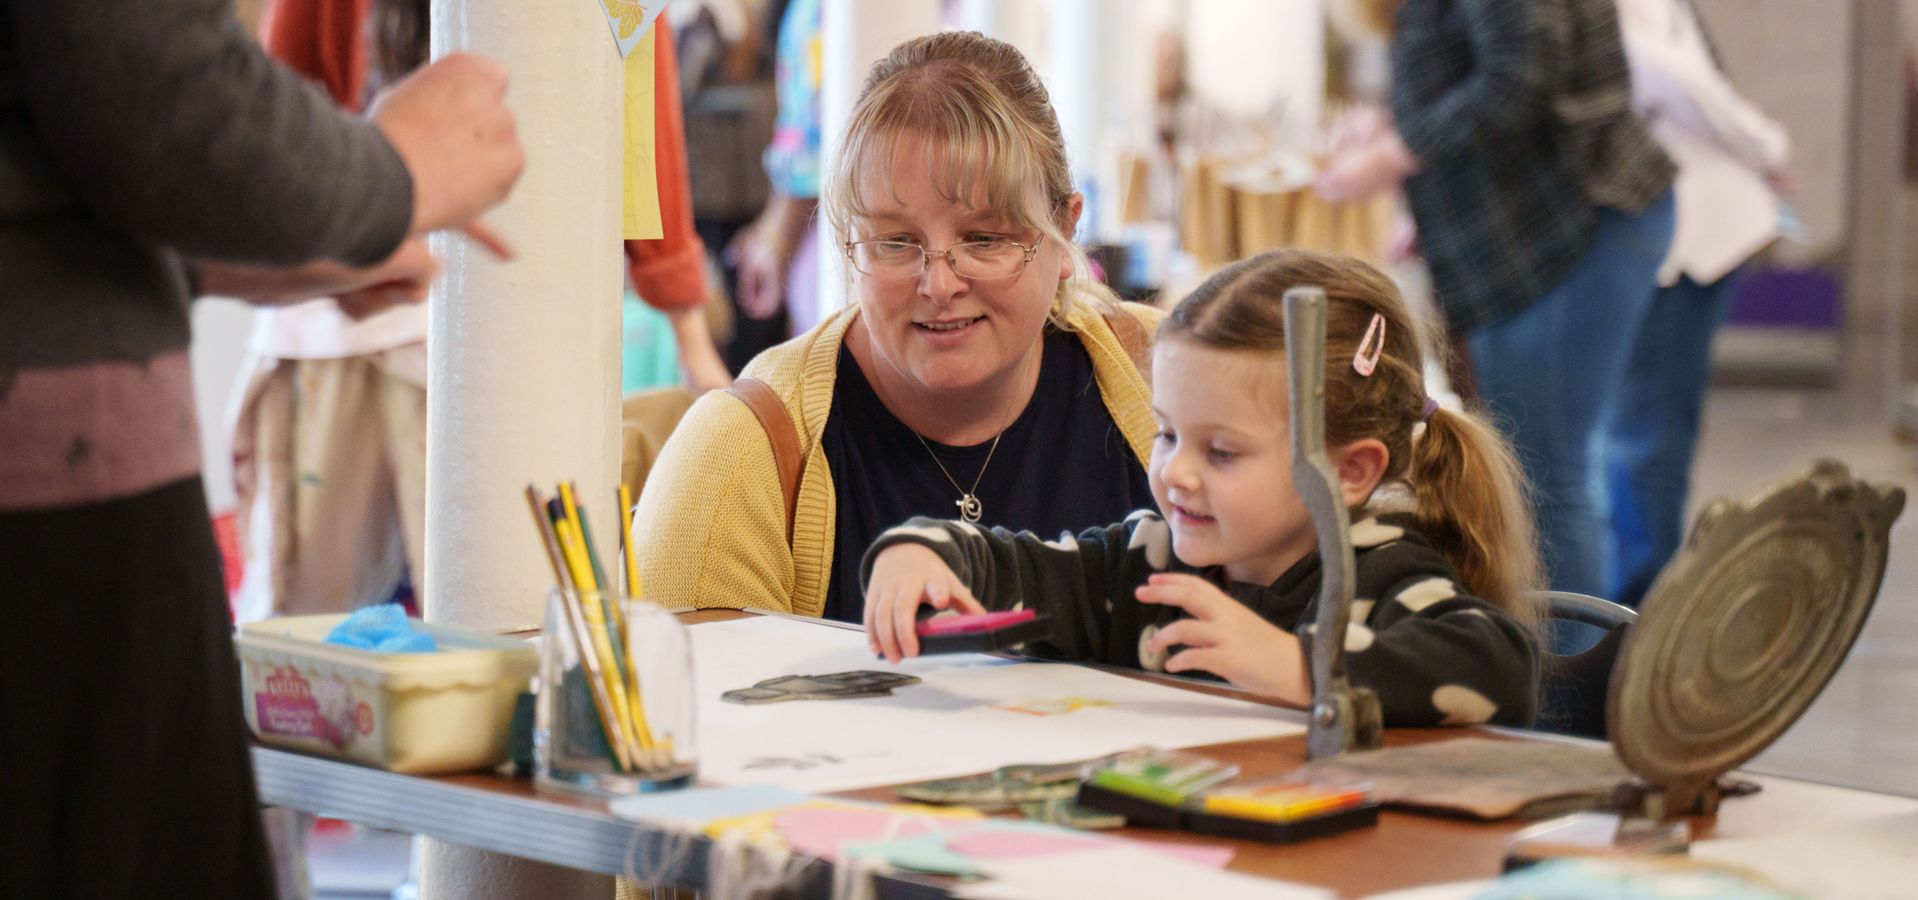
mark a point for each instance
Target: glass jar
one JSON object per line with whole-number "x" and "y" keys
{"x": 615, "y": 710}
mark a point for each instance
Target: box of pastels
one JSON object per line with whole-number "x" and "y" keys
{"x": 419, "y": 698}
{"x": 1181, "y": 790}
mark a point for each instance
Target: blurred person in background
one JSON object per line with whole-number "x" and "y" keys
{"x": 1544, "y": 210}
{"x": 777, "y": 255}
{"x": 150, "y": 151}
{"x": 1731, "y": 169}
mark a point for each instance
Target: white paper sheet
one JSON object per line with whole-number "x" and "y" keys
{"x": 965, "y": 716}
{"x": 1868, "y": 859}
{"x": 1124, "y": 872}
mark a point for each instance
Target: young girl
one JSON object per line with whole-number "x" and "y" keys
{"x": 1223, "y": 578}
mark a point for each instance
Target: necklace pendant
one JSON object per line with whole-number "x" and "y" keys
{"x": 969, "y": 508}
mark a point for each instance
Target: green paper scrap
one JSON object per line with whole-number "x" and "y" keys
{"x": 924, "y": 853}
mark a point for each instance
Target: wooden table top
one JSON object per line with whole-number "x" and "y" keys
{"x": 1404, "y": 850}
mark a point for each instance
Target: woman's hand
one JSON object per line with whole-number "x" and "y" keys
{"x": 903, "y": 577}
{"x": 403, "y": 277}
{"x": 1376, "y": 166}
{"x": 762, "y": 256}
{"x": 763, "y": 253}
{"x": 698, "y": 356}
{"x": 449, "y": 122}
{"x": 1225, "y": 638}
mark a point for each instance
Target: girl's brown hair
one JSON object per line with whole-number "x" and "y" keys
{"x": 1465, "y": 487}
{"x": 990, "y": 125}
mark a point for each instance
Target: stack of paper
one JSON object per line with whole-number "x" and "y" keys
{"x": 970, "y": 713}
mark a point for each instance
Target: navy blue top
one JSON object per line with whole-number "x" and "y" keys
{"x": 1062, "y": 466}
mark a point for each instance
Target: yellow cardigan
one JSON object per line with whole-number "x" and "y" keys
{"x": 711, "y": 523}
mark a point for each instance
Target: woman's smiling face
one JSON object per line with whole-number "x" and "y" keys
{"x": 940, "y": 331}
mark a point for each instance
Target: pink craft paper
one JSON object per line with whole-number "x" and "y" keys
{"x": 819, "y": 831}
{"x": 1009, "y": 843}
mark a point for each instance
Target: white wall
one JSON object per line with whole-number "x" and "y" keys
{"x": 1794, "y": 59}
{"x": 1247, "y": 55}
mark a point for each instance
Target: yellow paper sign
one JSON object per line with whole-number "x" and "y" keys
{"x": 629, "y": 20}
{"x": 641, "y": 202}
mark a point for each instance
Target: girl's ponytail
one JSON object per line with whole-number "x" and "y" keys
{"x": 1470, "y": 499}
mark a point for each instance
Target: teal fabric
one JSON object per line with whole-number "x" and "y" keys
{"x": 649, "y": 357}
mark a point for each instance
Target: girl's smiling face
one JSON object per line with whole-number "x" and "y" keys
{"x": 1221, "y": 468}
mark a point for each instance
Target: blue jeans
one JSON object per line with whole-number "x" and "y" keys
{"x": 1553, "y": 375}
{"x": 1650, "y": 445}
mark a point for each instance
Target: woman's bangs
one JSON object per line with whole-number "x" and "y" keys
{"x": 975, "y": 160}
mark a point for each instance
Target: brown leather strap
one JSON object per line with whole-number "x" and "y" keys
{"x": 781, "y": 433}
{"x": 1132, "y": 338}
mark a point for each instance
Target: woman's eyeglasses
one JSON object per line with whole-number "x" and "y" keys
{"x": 971, "y": 260}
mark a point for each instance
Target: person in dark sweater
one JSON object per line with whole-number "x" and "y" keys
{"x": 145, "y": 146}
{"x": 1223, "y": 577}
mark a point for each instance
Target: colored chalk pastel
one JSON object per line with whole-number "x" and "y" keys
{"x": 944, "y": 625}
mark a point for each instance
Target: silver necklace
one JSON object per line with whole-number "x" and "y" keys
{"x": 970, "y": 509}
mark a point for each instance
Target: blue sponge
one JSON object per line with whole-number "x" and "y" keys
{"x": 381, "y": 629}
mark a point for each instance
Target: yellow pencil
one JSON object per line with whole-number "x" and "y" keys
{"x": 569, "y": 499}
{"x": 623, "y": 750}
{"x": 626, "y": 519}
{"x": 591, "y": 606}
{"x": 575, "y": 625}
{"x": 646, "y": 739}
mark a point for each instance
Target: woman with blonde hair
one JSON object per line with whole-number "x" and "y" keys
{"x": 978, "y": 371}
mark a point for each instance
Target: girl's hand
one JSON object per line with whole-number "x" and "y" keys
{"x": 903, "y": 577}
{"x": 1227, "y": 639}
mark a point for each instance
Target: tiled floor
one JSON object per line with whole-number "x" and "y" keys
{"x": 1863, "y": 731}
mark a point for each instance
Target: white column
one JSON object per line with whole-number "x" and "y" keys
{"x": 1086, "y": 75}
{"x": 1021, "y": 23}
{"x": 854, "y": 34}
{"x": 524, "y": 364}
{"x": 1255, "y": 57}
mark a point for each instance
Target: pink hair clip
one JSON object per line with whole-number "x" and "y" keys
{"x": 1371, "y": 347}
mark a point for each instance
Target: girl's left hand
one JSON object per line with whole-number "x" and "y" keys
{"x": 1227, "y": 639}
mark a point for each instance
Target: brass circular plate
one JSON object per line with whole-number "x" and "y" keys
{"x": 1746, "y": 625}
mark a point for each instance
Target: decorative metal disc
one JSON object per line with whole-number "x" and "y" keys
{"x": 1746, "y": 625}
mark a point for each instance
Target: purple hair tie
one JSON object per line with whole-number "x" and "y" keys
{"x": 1431, "y": 406}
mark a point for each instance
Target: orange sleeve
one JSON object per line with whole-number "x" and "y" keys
{"x": 669, "y": 273}
{"x": 324, "y": 40}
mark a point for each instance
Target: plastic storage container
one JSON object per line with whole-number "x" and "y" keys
{"x": 418, "y": 713}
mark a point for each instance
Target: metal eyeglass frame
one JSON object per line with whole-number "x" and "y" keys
{"x": 926, "y": 256}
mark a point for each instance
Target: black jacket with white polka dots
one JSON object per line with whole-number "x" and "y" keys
{"x": 1435, "y": 655}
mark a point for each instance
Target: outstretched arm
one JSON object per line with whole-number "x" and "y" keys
{"x": 1079, "y": 581}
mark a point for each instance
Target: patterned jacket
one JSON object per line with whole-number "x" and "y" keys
{"x": 1434, "y": 654}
